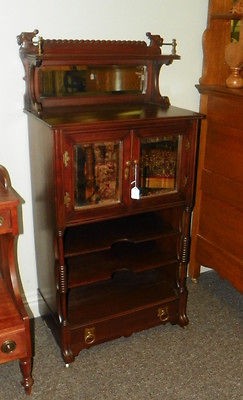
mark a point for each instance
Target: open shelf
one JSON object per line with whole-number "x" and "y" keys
{"x": 93, "y": 267}
{"x": 122, "y": 294}
{"x": 101, "y": 235}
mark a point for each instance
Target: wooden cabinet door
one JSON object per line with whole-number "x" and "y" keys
{"x": 163, "y": 160}
{"x": 95, "y": 174}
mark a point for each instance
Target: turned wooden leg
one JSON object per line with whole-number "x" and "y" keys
{"x": 26, "y": 370}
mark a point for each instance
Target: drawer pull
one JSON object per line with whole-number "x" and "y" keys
{"x": 89, "y": 335}
{"x": 1, "y": 220}
{"x": 8, "y": 346}
{"x": 163, "y": 314}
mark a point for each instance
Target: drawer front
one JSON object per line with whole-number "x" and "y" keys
{"x": 224, "y": 189}
{"x": 5, "y": 221}
{"x": 227, "y": 113}
{"x": 219, "y": 223}
{"x": 12, "y": 345}
{"x": 124, "y": 325}
{"x": 224, "y": 151}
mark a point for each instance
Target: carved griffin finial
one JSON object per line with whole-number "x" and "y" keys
{"x": 155, "y": 40}
{"x": 25, "y": 39}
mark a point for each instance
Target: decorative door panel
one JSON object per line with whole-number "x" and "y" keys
{"x": 93, "y": 166}
{"x": 96, "y": 173}
{"x": 158, "y": 165}
{"x": 162, "y": 159}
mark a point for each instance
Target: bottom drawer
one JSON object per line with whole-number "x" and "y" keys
{"x": 122, "y": 325}
{"x": 12, "y": 345}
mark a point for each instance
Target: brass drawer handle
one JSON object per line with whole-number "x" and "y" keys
{"x": 89, "y": 335}
{"x": 163, "y": 314}
{"x": 1, "y": 221}
{"x": 8, "y": 346}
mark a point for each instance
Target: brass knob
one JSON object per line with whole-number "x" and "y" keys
{"x": 8, "y": 346}
{"x": 1, "y": 221}
{"x": 163, "y": 314}
{"x": 89, "y": 335}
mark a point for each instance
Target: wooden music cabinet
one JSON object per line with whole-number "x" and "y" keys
{"x": 15, "y": 337}
{"x": 113, "y": 167}
{"x": 217, "y": 233}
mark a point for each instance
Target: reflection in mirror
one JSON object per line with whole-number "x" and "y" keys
{"x": 97, "y": 167}
{"x": 158, "y": 165}
{"x": 87, "y": 80}
{"x": 235, "y": 30}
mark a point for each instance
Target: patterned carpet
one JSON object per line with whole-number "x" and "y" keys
{"x": 201, "y": 361}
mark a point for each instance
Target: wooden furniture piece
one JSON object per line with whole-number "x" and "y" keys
{"x": 15, "y": 338}
{"x": 113, "y": 168}
{"x": 217, "y": 232}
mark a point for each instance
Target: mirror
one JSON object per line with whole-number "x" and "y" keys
{"x": 235, "y": 30}
{"x": 78, "y": 80}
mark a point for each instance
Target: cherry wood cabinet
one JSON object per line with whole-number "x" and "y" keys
{"x": 15, "y": 337}
{"x": 113, "y": 169}
{"x": 217, "y": 235}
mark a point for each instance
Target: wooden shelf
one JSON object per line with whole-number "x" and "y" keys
{"x": 227, "y": 16}
{"x": 125, "y": 292}
{"x": 100, "y": 266}
{"x": 139, "y": 228}
{"x": 220, "y": 89}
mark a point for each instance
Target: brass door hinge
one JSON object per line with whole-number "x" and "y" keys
{"x": 66, "y": 158}
{"x": 188, "y": 145}
{"x": 67, "y": 199}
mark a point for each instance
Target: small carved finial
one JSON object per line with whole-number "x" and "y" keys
{"x": 25, "y": 39}
{"x": 155, "y": 40}
{"x": 174, "y": 44}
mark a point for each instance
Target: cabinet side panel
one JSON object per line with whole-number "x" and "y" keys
{"x": 41, "y": 143}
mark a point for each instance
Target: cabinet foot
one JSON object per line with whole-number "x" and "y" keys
{"x": 195, "y": 280}
{"x": 183, "y": 320}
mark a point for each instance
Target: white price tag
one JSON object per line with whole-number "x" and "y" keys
{"x": 135, "y": 193}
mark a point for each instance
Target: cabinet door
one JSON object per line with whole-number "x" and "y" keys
{"x": 93, "y": 165}
{"x": 162, "y": 164}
